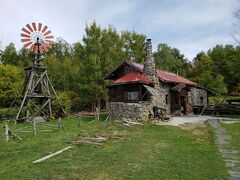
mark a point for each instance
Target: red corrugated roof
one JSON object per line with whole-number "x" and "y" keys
{"x": 134, "y": 77}
{"x": 164, "y": 75}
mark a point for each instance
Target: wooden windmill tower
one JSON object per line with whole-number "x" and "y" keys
{"x": 37, "y": 89}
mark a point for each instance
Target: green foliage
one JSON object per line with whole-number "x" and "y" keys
{"x": 9, "y": 55}
{"x": 134, "y": 46}
{"x": 170, "y": 59}
{"x": 205, "y": 76}
{"x": 8, "y": 113}
{"x": 101, "y": 50}
{"x": 66, "y": 103}
{"x": 226, "y": 63}
{"x": 11, "y": 79}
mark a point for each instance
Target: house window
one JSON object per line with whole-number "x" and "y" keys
{"x": 128, "y": 70}
{"x": 201, "y": 100}
{"x": 166, "y": 98}
{"x": 131, "y": 96}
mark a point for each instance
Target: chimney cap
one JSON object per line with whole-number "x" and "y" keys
{"x": 149, "y": 40}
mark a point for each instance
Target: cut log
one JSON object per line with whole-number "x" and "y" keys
{"x": 126, "y": 124}
{"x": 132, "y": 122}
{"x": 51, "y": 155}
{"x": 98, "y": 139}
{"x": 88, "y": 143}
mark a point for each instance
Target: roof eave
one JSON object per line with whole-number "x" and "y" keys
{"x": 133, "y": 82}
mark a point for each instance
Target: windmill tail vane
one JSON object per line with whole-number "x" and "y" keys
{"x": 37, "y": 38}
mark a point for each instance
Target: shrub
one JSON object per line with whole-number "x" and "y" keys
{"x": 8, "y": 113}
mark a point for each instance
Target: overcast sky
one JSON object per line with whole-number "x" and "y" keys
{"x": 189, "y": 25}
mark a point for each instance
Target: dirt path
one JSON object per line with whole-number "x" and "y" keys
{"x": 231, "y": 156}
{"x": 195, "y": 119}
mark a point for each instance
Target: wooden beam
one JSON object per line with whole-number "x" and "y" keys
{"x": 6, "y": 132}
{"x": 51, "y": 155}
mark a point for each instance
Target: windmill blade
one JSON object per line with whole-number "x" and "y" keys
{"x": 47, "y": 33}
{"x": 34, "y": 26}
{"x": 48, "y": 41}
{"x": 48, "y": 37}
{"x": 25, "y": 40}
{"x": 29, "y": 27}
{"x": 26, "y": 31}
{"x": 39, "y": 26}
{"x": 44, "y": 29}
{"x": 44, "y": 47}
{"x": 32, "y": 47}
{"x": 27, "y": 44}
{"x": 25, "y": 35}
{"x": 35, "y": 31}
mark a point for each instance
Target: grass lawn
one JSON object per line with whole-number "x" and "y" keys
{"x": 235, "y": 116}
{"x": 234, "y": 131}
{"x": 145, "y": 152}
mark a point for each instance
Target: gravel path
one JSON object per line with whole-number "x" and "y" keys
{"x": 178, "y": 120}
{"x": 231, "y": 156}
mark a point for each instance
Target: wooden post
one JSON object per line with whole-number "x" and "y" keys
{"x": 6, "y": 132}
{"x": 59, "y": 124}
{"x": 28, "y": 114}
{"x": 97, "y": 114}
{"x": 34, "y": 128}
{"x": 79, "y": 121}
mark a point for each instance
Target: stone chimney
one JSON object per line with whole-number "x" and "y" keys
{"x": 149, "y": 69}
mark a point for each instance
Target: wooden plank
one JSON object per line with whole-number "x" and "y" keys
{"x": 59, "y": 123}
{"x": 51, "y": 155}
{"x": 6, "y": 132}
{"x": 88, "y": 143}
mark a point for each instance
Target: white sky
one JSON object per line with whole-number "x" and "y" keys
{"x": 189, "y": 25}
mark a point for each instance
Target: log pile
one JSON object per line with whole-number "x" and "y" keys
{"x": 99, "y": 141}
{"x": 92, "y": 141}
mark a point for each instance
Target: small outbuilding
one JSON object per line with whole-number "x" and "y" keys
{"x": 139, "y": 91}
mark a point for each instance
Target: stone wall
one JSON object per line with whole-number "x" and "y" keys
{"x": 198, "y": 97}
{"x": 129, "y": 111}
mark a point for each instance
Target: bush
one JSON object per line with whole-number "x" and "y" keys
{"x": 8, "y": 113}
{"x": 10, "y": 84}
{"x": 65, "y": 103}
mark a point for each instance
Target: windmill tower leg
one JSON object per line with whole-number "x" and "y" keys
{"x": 28, "y": 85}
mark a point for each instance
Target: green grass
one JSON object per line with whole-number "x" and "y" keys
{"x": 234, "y": 131}
{"x": 145, "y": 152}
{"x": 219, "y": 99}
{"x": 235, "y": 116}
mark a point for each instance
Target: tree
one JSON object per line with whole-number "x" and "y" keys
{"x": 9, "y": 55}
{"x": 24, "y": 57}
{"x": 60, "y": 49}
{"x": 205, "y": 75}
{"x": 170, "y": 59}
{"x": 225, "y": 60}
{"x": 11, "y": 78}
{"x": 134, "y": 46}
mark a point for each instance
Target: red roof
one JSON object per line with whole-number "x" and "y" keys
{"x": 133, "y": 77}
{"x": 165, "y": 75}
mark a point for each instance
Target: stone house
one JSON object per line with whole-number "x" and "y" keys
{"x": 138, "y": 92}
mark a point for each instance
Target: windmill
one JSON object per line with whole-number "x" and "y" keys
{"x": 37, "y": 89}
